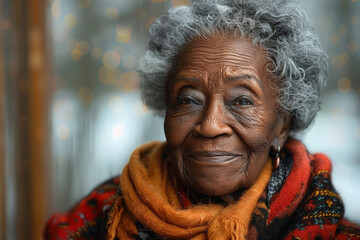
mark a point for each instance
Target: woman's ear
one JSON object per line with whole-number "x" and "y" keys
{"x": 282, "y": 131}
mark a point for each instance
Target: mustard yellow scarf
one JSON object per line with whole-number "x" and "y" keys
{"x": 150, "y": 197}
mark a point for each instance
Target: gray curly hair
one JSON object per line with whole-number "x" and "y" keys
{"x": 281, "y": 27}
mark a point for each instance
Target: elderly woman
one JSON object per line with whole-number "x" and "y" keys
{"x": 235, "y": 79}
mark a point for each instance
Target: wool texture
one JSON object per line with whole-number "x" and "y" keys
{"x": 298, "y": 202}
{"x": 151, "y": 198}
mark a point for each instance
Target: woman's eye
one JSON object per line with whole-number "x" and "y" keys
{"x": 243, "y": 102}
{"x": 187, "y": 100}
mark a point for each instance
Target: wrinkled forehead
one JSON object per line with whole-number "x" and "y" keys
{"x": 224, "y": 55}
{"x": 218, "y": 61}
{"x": 228, "y": 50}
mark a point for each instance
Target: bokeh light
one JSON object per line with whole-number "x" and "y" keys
{"x": 128, "y": 81}
{"x": 112, "y": 13}
{"x": 344, "y": 85}
{"x": 123, "y": 34}
{"x": 96, "y": 52}
{"x": 36, "y": 60}
{"x": 56, "y": 9}
{"x": 344, "y": 57}
{"x": 84, "y": 3}
{"x": 83, "y": 46}
{"x": 118, "y": 130}
{"x": 107, "y": 75}
{"x": 100, "y": 96}
{"x": 70, "y": 20}
{"x": 353, "y": 46}
{"x": 338, "y": 62}
{"x": 63, "y": 132}
{"x": 76, "y": 54}
{"x": 111, "y": 59}
{"x": 176, "y": 3}
{"x": 71, "y": 44}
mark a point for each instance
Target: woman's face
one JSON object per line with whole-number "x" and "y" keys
{"x": 221, "y": 117}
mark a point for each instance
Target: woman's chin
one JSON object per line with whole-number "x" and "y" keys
{"x": 214, "y": 188}
{"x": 217, "y": 179}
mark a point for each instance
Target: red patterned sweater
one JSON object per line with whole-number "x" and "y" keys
{"x": 299, "y": 203}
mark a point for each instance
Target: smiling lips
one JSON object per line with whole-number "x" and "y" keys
{"x": 213, "y": 157}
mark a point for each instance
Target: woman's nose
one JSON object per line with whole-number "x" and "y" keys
{"x": 213, "y": 121}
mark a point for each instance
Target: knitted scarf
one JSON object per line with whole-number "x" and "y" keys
{"x": 299, "y": 202}
{"x": 149, "y": 196}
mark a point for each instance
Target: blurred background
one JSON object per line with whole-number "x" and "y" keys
{"x": 70, "y": 111}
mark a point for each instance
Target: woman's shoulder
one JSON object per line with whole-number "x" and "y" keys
{"x": 84, "y": 220}
{"x": 347, "y": 230}
{"x": 321, "y": 209}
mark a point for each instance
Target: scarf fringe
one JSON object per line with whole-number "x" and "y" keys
{"x": 234, "y": 220}
{"x": 114, "y": 218}
{"x": 150, "y": 198}
{"x": 118, "y": 216}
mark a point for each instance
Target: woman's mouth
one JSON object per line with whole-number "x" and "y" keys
{"x": 212, "y": 157}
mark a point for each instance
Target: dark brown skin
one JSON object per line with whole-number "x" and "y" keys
{"x": 222, "y": 116}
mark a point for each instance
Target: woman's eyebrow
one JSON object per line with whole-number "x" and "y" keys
{"x": 245, "y": 77}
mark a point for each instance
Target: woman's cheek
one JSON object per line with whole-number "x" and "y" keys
{"x": 176, "y": 129}
{"x": 254, "y": 130}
